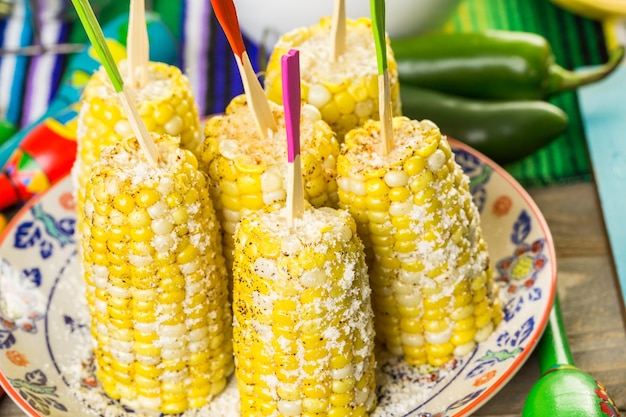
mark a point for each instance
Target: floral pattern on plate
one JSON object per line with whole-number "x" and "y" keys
{"x": 44, "y": 335}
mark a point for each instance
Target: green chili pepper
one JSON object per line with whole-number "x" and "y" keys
{"x": 505, "y": 131}
{"x": 490, "y": 64}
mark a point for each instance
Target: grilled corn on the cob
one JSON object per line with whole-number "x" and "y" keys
{"x": 165, "y": 104}
{"x": 303, "y": 333}
{"x": 248, "y": 173}
{"x": 346, "y": 91}
{"x": 156, "y": 280}
{"x": 432, "y": 287}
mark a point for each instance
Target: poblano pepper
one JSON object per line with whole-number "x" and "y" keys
{"x": 493, "y": 64}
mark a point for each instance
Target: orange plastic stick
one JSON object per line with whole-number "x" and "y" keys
{"x": 227, "y": 16}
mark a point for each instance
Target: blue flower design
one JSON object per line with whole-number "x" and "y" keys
{"x": 30, "y": 234}
{"x": 518, "y": 337}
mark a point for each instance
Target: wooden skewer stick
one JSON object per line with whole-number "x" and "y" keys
{"x": 338, "y": 30}
{"x": 138, "y": 126}
{"x": 256, "y": 96}
{"x": 384, "y": 94}
{"x": 384, "y": 106}
{"x": 137, "y": 45}
{"x": 94, "y": 32}
{"x": 290, "y": 65}
{"x": 227, "y": 16}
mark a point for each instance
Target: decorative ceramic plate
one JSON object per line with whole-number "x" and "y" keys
{"x": 45, "y": 342}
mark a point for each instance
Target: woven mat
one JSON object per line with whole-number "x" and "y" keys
{"x": 208, "y": 61}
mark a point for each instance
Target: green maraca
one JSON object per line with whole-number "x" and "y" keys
{"x": 564, "y": 390}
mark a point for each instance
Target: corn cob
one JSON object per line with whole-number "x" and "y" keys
{"x": 432, "y": 287}
{"x": 248, "y": 173}
{"x": 165, "y": 104}
{"x": 156, "y": 281}
{"x": 346, "y": 91}
{"x": 303, "y": 331}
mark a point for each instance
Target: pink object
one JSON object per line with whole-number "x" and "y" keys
{"x": 290, "y": 65}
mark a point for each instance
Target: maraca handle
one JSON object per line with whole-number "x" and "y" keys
{"x": 553, "y": 347}
{"x": 563, "y": 390}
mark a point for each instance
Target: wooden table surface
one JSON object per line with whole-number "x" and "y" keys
{"x": 593, "y": 314}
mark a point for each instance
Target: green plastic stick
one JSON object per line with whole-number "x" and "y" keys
{"x": 564, "y": 390}
{"x": 94, "y": 32}
{"x": 377, "y": 9}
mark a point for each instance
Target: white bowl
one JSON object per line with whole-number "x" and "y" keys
{"x": 264, "y": 21}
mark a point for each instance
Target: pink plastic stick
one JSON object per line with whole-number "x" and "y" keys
{"x": 290, "y": 65}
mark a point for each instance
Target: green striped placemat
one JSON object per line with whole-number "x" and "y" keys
{"x": 576, "y": 42}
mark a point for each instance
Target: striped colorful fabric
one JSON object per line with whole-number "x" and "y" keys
{"x": 27, "y": 84}
{"x": 44, "y": 70}
{"x": 15, "y": 33}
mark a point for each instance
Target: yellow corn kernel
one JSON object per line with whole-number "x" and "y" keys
{"x": 414, "y": 165}
{"x": 399, "y": 194}
{"x": 345, "y": 102}
{"x": 330, "y": 112}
